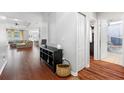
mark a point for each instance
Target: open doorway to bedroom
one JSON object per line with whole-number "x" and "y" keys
{"x": 113, "y": 36}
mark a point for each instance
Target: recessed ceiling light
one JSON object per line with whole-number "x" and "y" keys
{"x": 16, "y": 19}
{"x": 3, "y": 17}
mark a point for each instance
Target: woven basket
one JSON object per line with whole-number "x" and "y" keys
{"x": 63, "y": 70}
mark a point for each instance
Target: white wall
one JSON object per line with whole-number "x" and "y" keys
{"x": 3, "y": 35}
{"x": 44, "y": 27}
{"x": 62, "y": 30}
{"x": 103, "y": 38}
{"x": 90, "y": 15}
{"x": 26, "y": 35}
{"x": 3, "y": 41}
{"x": 110, "y": 15}
{"x": 52, "y": 27}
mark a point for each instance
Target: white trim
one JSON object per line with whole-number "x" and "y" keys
{"x": 123, "y": 44}
{"x": 88, "y": 65}
{"x": 87, "y": 42}
{"x": 74, "y": 73}
{"x": 1, "y": 70}
{"x": 78, "y": 35}
{"x": 77, "y": 44}
{"x": 97, "y": 40}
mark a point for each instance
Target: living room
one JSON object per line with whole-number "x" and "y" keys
{"x": 19, "y": 32}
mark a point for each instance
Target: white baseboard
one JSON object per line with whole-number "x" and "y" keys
{"x": 74, "y": 73}
{"x": 1, "y": 70}
{"x": 88, "y": 65}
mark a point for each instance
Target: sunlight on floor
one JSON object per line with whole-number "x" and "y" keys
{"x": 114, "y": 58}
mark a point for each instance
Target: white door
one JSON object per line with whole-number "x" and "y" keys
{"x": 81, "y": 34}
{"x": 103, "y": 35}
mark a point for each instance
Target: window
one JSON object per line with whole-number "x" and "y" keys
{"x": 14, "y": 34}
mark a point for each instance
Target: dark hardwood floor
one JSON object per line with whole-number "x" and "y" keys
{"x": 24, "y": 64}
{"x": 100, "y": 70}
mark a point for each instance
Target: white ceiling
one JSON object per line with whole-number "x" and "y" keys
{"x": 110, "y": 15}
{"x": 32, "y": 19}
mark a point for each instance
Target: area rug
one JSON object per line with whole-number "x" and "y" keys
{"x": 2, "y": 66}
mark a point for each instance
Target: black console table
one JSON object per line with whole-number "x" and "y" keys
{"x": 51, "y": 56}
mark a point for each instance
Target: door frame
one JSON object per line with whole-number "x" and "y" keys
{"x": 87, "y": 43}
{"x": 103, "y": 38}
{"x": 123, "y": 44}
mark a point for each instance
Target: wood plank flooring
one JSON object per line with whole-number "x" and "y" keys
{"x": 100, "y": 70}
{"x": 24, "y": 64}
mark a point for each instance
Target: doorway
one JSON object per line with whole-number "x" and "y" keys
{"x": 92, "y": 40}
{"x": 34, "y": 35}
{"x": 112, "y": 41}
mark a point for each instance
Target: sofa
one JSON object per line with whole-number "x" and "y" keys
{"x": 24, "y": 44}
{"x": 21, "y": 44}
{"x": 13, "y": 43}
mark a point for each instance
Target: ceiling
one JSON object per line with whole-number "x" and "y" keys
{"x": 21, "y": 19}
